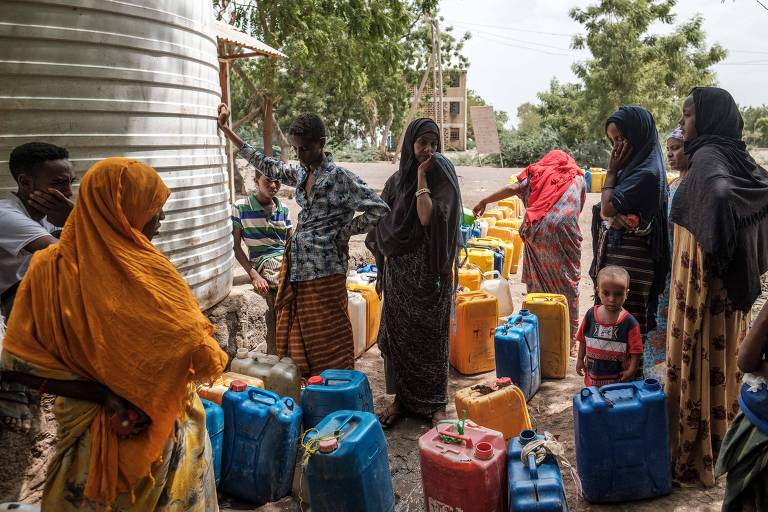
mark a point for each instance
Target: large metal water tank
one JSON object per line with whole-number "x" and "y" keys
{"x": 136, "y": 78}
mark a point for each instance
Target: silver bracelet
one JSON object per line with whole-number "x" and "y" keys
{"x": 423, "y": 191}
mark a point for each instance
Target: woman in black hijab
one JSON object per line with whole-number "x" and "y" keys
{"x": 720, "y": 214}
{"x": 629, "y": 226}
{"x": 415, "y": 250}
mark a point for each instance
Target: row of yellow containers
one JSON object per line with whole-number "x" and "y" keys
{"x": 477, "y": 316}
{"x": 480, "y": 254}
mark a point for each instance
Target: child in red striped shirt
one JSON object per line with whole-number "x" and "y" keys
{"x": 610, "y": 343}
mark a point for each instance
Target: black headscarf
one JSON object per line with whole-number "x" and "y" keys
{"x": 641, "y": 187}
{"x": 723, "y": 200}
{"x": 401, "y": 232}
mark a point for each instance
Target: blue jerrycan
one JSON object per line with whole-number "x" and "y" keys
{"x": 622, "y": 441}
{"x": 533, "y": 487}
{"x": 517, "y": 352}
{"x": 261, "y": 435}
{"x": 348, "y": 470}
{"x": 214, "y": 424}
{"x": 334, "y": 390}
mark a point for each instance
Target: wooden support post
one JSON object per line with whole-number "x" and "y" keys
{"x": 441, "y": 115}
{"x": 414, "y": 105}
{"x": 224, "y": 81}
{"x": 267, "y": 124}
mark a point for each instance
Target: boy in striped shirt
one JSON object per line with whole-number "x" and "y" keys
{"x": 610, "y": 343}
{"x": 261, "y": 221}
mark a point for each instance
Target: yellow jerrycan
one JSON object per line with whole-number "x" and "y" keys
{"x": 483, "y": 258}
{"x": 554, "y": 331}
{"x": 509, "y": 223}
{"x": 215, "y": 390}
{"x": 515, "y": 204}
{"x": 472, "y": 334}
{"x": 373, "y": 310}
{"x": 470, "y": 277}
{"x": 496, "y": 404}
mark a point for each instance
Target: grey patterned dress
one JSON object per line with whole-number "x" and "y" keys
{"x": 413, "y": 337}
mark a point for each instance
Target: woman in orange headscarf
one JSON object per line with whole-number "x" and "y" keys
{"x": 554, "y": 191}
{"x": 104, "y": 320}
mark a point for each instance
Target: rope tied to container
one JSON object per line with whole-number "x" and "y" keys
{"x": 311, "y": 447}
{"x": 459, "y": 424}
{"x": 541, "y": 448}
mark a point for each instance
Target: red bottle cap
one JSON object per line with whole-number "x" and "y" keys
{"x": 483, "y": 451}
{"x": 328, "y": 445}
{"x": 237, "y": 385}
{"x": 503, "y": 382}
{"x": 314, "y": 380}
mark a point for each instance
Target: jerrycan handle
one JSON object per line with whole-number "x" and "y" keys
{"x": 533, "y": 471}
{"x": 265, "y": 397}
{"x": 467, "y": 440}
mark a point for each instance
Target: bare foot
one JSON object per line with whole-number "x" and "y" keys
{"x": 14, "y": 411}
{"x": 391, "y": 414}
{"x": 438, "y": 415}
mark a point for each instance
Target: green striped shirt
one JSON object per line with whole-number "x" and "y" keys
{"x": 265, "y": 236}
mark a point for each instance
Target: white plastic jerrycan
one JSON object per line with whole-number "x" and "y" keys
{"x": 494, "y": 284}
{"x": 357, "y": 310}
{"x": 483, "y": 225}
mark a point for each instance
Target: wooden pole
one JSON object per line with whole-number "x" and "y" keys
{"x": 441, "y": 118}
{"x": 224, "y": 82}
{"x": 267, "y": 124}
{"x": 414, "y": 105}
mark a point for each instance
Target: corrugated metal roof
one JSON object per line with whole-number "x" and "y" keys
{"x": 229, "y": 34}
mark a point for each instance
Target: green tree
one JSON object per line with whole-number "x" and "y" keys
{"x": 630, "y": 64}
{"x": 528, "y": 118}
{"x": 756, "y": 125}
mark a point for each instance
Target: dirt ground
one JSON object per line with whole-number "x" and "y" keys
{"x": 550, "y": 407}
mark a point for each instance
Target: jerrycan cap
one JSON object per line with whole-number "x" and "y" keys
{"x": 524, "y": 312}
{"x": 237, "y": 385}
{"x": 328, "y": 445}
{"x": 483, "y": 450}
{"x": 315, "y": 380}
{"x": 242, "y": 353}
{"x": 503, "y": 382}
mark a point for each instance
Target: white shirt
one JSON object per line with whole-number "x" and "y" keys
{"x": 17, "y": 230}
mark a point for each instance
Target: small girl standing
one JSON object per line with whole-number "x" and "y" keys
{"x": 610, "y": 343}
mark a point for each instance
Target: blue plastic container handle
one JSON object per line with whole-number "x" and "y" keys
{"x": 289, "y": 402}
{"x": 532, "y": 469}
{"x": 263, "y": 393}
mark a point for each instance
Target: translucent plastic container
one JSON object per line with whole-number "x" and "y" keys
{"x": 279, "y": 375}
{"x": 214, "y": 392}
{"x": 356, "y": 308}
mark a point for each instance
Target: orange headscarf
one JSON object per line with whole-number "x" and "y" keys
{"x": 550, "y": 177}
{"x": 106, "y": 305}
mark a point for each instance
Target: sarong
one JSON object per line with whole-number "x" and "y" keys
{"x": 744, "y": 457}
{"x": 313, "y": 326}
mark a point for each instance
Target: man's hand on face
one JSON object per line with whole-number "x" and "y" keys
{"x": 55, "y": 205}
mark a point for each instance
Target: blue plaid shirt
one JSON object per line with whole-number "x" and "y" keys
{"x": 319, "y": 246}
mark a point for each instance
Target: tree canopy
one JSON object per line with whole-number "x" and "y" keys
{"x": 639, "y": 56}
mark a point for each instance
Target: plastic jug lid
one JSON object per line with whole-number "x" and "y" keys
{"x": 314, "y": 380}
{"x": 328, "y": 445}
{"x": 503, "y": 382}
{"x": 237, "y": 385}
{"x": 483, "y": 451}
{"x": 242, "y": 353}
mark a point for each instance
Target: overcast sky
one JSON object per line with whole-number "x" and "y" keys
{"x": 518, "y": 46}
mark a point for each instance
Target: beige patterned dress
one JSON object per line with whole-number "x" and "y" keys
{"x": 704, "y": 333}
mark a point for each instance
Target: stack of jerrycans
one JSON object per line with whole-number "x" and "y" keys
{"x": 534, "y": 487}
{"x": 279, "y": 375}
{"x": 517, "y": 352}
{"x": 496, "y": 404}
{"x": 261, "y": 435}
{"x": 348, "y": 468}
{"x": 554, "y": 331}
{"x": 471, "y": 335}
{"x": 335, "y": 390}
{"x": 622, "y": 441}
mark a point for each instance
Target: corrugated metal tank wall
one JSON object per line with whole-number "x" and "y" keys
{"x": 136, "y": 78}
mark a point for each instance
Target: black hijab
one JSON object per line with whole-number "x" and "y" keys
{"x": 723, "y": 200}
{"x": 400, "y": 232}
{"x": 641, "y": 187}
